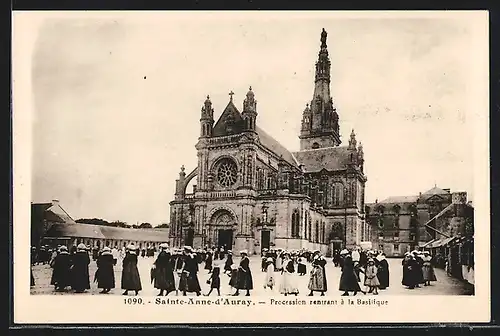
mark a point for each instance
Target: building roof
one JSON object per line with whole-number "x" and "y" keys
{"x": 266, "y": 140}
{"x": 274, "y": 146}
{"x": 436, "y": 191}
{"x": 330, "y": 158}
{"x": 220, "y": 126}
{"x": 50, "y": 212}
{"x": 400, "y": 199}
{"x": 82, "y": 230}
{"x": 75, "y": 230}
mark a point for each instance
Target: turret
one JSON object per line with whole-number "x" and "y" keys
{"x": 249, "y": 113}
{"x": 207, "y": 119}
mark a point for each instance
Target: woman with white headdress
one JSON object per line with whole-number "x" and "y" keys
{"x": 61, "y": 265}
{"x": 410, "y": 271}
{"x": 189, "y": 282}
{"x": 105, "y": 274}
{"x": 163, "y": 272}
{"x": 316, "y": 278}
{"x": 383, "y": 271}
{"x": 269, "y": 280}
{"x": 288, "y": 283}
{"x": 228, "y": 263}
{"x": 348, "y": 279}
{"x": 371, "y": 279}
{"x": 427, "y": 269}
{"x": 130, "y": 274}
{"x": 244, "y": 275}
{"x": 80, "y": 270}
{"x": 279, "y": 260}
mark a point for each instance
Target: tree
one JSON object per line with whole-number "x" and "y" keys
{"x": 145, "y": 226}
{"x": 94, "y": 221}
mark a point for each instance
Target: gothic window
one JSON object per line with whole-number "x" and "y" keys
{"x": 306, "y": 226}
{"x": 309, "y": 232}
{"x": 316, "y": 232}
{"x": 337, "y": 194}
{"x": 249, "y": 169}
{"x": 323, "y": 231}
{"x": 259, "y": 179}
{"x": 295, "y": 224}
{"x": 227, "y": 172}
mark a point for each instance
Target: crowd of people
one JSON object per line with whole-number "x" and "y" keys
{"x": 176, "y": 270}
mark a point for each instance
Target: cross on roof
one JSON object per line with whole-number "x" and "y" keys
{"x": 231, "y": 94}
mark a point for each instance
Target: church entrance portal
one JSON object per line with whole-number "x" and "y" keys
{"x": 222, "y": 227}
{"x": 225, "y": 239}
{"x": 189, "y": 237}
{"x": 265, "y": 239}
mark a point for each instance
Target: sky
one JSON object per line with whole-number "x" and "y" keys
{"x": 117, "y": 99}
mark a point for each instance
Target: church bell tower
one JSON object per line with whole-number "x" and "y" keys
{"x": 320, "y": 127}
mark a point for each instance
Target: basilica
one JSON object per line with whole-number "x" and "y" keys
{"x": 253, "y": 193}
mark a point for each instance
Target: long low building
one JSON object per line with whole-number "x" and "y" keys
{"x": 70, "y": 234}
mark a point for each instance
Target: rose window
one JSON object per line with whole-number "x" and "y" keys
{"x": 227, "y": 173}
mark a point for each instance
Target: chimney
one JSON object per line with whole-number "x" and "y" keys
{"x": 55, "y": 202}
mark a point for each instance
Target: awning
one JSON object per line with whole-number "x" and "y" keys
{"x": 428, "y": 244}
{"x": 443, "y": 242}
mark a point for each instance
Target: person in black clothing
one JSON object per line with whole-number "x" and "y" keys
{"x": 61, "y": 265}
{"x": 214, "y": 281}
{"x": 228, "y": 263}
{"x": 410, "y": 272}
{"x": 163, "y": 271}
{"x": 383, "y": 271}
{"x": 105, "y": 274}
{"x": 244, "y": 275}
{"x": 80, "y": 270}
{"x": 130, "y": 274}
{"x": 189, "y": 282}
{"x": 208, "y": 261}
{"x": 348, "y": 279}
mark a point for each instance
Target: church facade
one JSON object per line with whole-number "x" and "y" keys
{"x": 253, "y": 193}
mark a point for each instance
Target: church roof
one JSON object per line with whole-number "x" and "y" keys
{"x": 273, "y": 145}
{"x": 330, "y": 158}
{"x": 220, "y": 126}
{"x": 265, "y": 139}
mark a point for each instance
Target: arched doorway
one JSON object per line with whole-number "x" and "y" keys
{"x": 222, "y": 228}
{"x": 189, "y": 237}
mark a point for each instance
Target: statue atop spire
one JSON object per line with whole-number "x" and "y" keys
{"x": 323, "y": 38}
{"x": 352, "y": 140}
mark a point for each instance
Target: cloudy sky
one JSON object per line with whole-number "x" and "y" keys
{"x": 117, "y": 99}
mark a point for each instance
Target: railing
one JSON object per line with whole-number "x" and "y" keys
{"x": 264, "y": 192}
{"x": 222, "y": 194}
{"x": 224, "y": 140}
{"x": 189, "y": 196}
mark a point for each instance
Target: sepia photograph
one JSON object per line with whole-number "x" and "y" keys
{"x": 190, "y": 163}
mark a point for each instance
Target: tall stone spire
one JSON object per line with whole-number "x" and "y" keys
{"x": 322, "y": 79}
{"x": 323, "y": 129}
